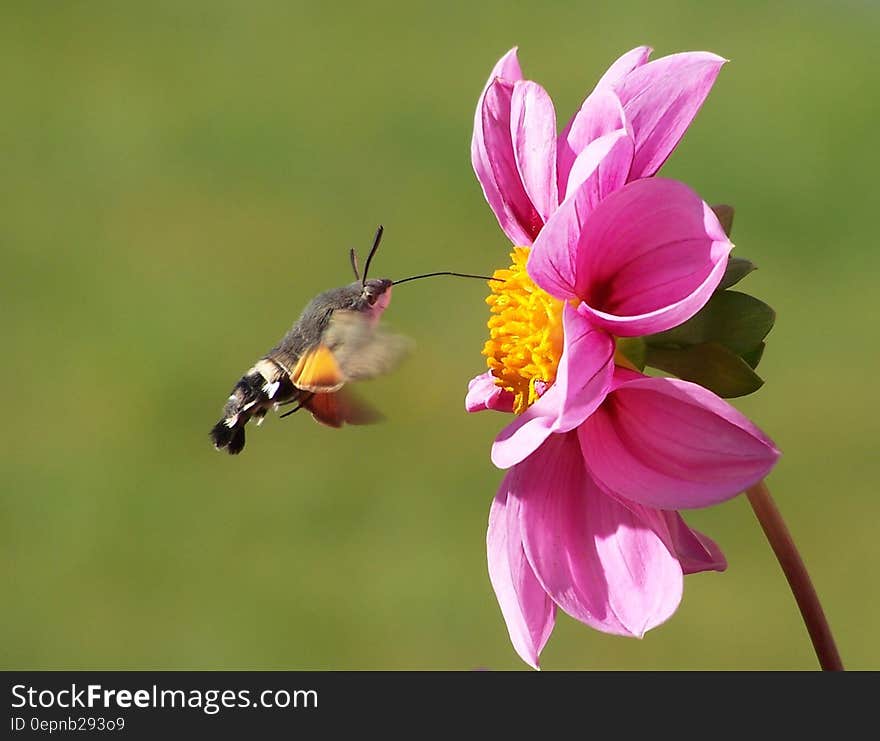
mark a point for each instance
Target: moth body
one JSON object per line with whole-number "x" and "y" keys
{"x": 336, "y": 339}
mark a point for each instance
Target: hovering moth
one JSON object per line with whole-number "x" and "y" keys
{"x": 336, "y": 340}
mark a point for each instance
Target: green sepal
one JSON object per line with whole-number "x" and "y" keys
{"x": 735, "y": 320}
{"x": 709, "y": 364}
{"x": 754, "y": 356}
{"x": 737, "y": 269}
{"x": 725, "y": 216}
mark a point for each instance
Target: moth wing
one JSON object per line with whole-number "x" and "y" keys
{"x": 362, "y": 348}
{"x": 341, "y": 407}
{"x": 318, "y": 371}
{"x": 352, "y": 348}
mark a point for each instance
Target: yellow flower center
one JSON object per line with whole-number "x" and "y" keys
{"x": 525, "y": 333}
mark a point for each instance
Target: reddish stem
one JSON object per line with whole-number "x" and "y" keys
{"x": 798, "y": 579}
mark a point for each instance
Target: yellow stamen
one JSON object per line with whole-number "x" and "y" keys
{"x": 525, "y": 333}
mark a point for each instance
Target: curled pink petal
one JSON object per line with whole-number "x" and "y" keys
{"x": 671, "y": 444}
{"x": 660, "y": 100}
{"x": 517, "y": 217}
{"x": 507, "y": 68}
{"x": 649, "y": 258}
{"x": 527, "y": 609}
{"x": 533, "y": 132}
{"x": 624, "y": 65}
{"x": 483, "y": 393}
{"x": 695, "y": 552}
{"x": 598, "y": 561}
{"x": 582, "y": 379}
{"x": 599, "y": 170}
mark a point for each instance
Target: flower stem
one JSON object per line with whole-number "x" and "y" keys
{"x": 798, "y": 579}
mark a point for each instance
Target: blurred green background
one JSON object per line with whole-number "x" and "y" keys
{"x": 180, "y": 177}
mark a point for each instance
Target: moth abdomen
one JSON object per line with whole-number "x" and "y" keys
{"x": 257, "y": 391}
{"x": 231, "y": 438}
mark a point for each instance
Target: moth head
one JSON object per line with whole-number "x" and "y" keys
{"x": 376, "y": 295}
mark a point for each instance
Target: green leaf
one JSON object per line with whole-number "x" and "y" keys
{"x": 737, "y": 269}
{"x": 725, "y": 216}
{"x": 711, "y": 365}
{"x": 754, "y": 356}
{"x": 735, "y": 320}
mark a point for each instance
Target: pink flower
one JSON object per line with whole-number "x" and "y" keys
{"x": 558, "y": 536}
{"x": 638, "y": 112}
{"x": 601, "y": 456}
{"x": 584, "y": 518}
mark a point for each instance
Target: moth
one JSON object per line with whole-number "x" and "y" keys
{"x": 336, "y": 340}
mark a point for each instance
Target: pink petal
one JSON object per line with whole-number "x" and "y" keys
{"x": 533, "y": 131}
{"x": 660, "y": 100}
{"x": 582, "y": 379}
{"x": 507, "y": 68}
{"x": 598, "y": 561}
{"x": 623, "y": 66}
{"x": 649, "y": 258}
{"x": 695, "y": 551}
{"x": 527, "y": 609}
{"x": 483, "y": 394}
{"x": 600, "y": 114}
{"x": 598, "y": 171}
{"x": 671, "y": 444}
{"x": 516, "y": 213}
{"x": 604, "y": 165}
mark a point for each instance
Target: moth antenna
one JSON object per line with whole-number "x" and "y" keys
{"x": 376, "y": 240}
{"x": 354, "y": 263}
{"x": 445, "y": 272}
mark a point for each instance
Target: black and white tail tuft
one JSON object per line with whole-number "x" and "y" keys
{"x": 261, "y": 388}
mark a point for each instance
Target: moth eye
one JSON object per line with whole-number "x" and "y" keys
{"x": 371, "y": 299}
